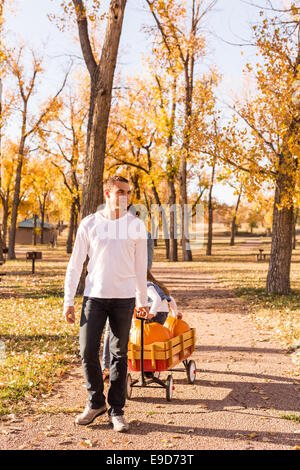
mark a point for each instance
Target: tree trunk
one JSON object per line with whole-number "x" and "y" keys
{"x": 189, "y": 78}
{"x": 186, "y": 251}
{"x": 210, "y": 227}
{"x": 34, "y": 241}
{"x": 5, "y": 221}
{"x": 136, "y": 185}
{"x": 75, "y": 225}
{"x": 69, "y": 244}
{"x": 233, "y": 230}
{"x": 233, "y": 224}
{"x": 164, "y": 219}
{"x": 295, "y": 227}
{"x": 100, "y": 103}
{"x": 173, "y": 251}
{"x": 15, "y": 206}
{"x": 43, "y": 219}
{"x": 278, "y": 279}
{"x": 210, "y": 215}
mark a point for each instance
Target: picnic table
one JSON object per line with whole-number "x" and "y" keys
{"x": 261, "y": 256}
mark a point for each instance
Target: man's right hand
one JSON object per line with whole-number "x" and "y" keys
{"x": 69, "y": 314}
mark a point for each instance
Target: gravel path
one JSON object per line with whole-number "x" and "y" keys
{"x": 244, "y": 383}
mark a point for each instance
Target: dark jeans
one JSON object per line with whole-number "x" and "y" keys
{"x": 93, "y": 318}
{"x": 160, "y": 317}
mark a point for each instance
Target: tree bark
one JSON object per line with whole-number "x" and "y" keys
{"x": 136, "y": 185}
{"x": 233, "y": 223}
{"x": 102, "y": 76}
{"x": 233, "y": 230}
{"x": 16, "y": 199}
{"x": 186, "y": 251}
{"x": 5, "y": 206}
{"x": 278, "y": 279}
{"x": 296, "y": 212}
{"x": 164, "y": 219}
{"x": 34, "y": 234}
{"x": 173, "y": 250}
{"x": 210, "y": 215}
{"x": 69, "y": 244}
{"x": 42, "y": 210}
{"x": 210, "y": 228}
{"x": 2, "y": 241}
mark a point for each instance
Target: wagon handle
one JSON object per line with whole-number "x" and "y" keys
{"x": 141, "y": 316}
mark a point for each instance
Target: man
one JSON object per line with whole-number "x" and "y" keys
{"x": 106, "y": 353}
{"x": 116, "y": 244}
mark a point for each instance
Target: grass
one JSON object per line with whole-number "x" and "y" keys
{"x": 291, "y": 417}
{"x": 40, "y": 346}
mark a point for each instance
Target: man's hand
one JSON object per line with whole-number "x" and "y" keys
{"x": 69, "y": 314}
{"x": 144, "y": 312}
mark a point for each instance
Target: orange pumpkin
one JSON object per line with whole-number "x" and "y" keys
{"x": 153, "y": 333}
{"x": 176, "y": 326}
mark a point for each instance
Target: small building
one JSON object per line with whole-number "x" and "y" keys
{"x": 24, "y": 234}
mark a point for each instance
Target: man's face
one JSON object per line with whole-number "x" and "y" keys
{"x": 118, "y": 196}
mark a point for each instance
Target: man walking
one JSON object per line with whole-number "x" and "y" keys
{"x": 116, "y": 244}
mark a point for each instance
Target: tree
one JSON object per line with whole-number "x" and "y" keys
{"x": 180, "y": 35}
{"x": 30, "y": 124}
{"x": 65, "y": 143}
{"x": 134, "y": 141}
{"x": 41, "y": 187}
{"x": 2, "y": 243}
{"x": 296, "y": 216}
{"x": 272, "y": 117}
{"x": 234, "y": 215}
{"x": 8, "y": 166}
{"x": 101, "y": 82}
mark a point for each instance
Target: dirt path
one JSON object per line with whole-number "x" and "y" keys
{"x": 244, "y": 384}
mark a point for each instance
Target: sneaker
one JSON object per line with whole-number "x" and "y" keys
{"x": 89, "y": 415}
{"x": 105, "y": 375}
{"x": 119, "y": 423}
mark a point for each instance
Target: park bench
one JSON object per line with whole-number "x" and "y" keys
{"x": 261, "y": 256}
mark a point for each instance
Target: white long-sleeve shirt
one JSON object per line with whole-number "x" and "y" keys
{"x": 159, "y": 305}
{"x": 117, "y": 251}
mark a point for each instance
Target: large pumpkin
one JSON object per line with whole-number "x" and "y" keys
{"x": 153, "y": 333}
{"x": 176, "y": 326}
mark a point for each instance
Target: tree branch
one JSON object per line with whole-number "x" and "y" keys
{"x": 84, "y": 37}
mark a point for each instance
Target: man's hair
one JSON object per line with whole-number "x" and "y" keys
{"x": 111, "y": 181}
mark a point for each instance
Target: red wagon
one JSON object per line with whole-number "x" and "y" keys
{"x": 151, "y": 359}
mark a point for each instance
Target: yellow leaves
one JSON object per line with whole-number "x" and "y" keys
{"x": 60, "y": 372}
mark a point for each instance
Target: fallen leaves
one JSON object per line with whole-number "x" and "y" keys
{"x": 87, "y": 443}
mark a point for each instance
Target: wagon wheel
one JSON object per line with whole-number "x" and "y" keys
{"x": 169, "y": 387}
{"x": 191, "y": 372}
{"x": 128, "y": 386}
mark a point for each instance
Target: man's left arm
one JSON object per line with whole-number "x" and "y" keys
{"x": 141, "y": 270}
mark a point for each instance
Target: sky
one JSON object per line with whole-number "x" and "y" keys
{"x": 229, "y": 22}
